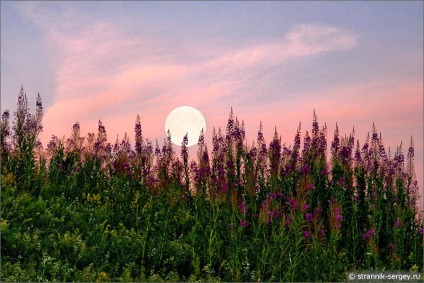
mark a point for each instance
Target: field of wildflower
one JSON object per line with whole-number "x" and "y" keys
{"x": 84, "y": 209}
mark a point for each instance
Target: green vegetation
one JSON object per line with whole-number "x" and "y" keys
{"x": 85, "y": 210}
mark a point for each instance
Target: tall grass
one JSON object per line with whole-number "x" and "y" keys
{"x": 84, "y": 209}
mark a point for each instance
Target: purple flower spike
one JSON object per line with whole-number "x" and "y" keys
{"x": 306, "y": 169}
{"x": 325, "y": 172}
{"x": 305, "y": 207}
{"x": 337, "y": 210}
{"x": 242, "y": 207}
{"x": 243, "y": 223}
{"x": 369, "y": 234}
{"x": 224, "y": 188}
{"x": 292, "y": 203}
{"x": 275, "y": 214}
{"x": 310, "y": 187}
{"x": 308, "y": 216}
{"x": 287, "y": 221}
{"x": 317, "y": 212}
{"x": 366, "y": 236}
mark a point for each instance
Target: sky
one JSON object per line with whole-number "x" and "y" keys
{"x": 354, "y": 63}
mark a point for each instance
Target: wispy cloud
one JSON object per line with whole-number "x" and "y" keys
{"x": 101, "y": 73}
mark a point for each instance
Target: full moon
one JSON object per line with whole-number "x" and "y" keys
{"x": 183, "y": 120}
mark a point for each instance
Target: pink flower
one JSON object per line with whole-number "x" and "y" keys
{"x": 369, "y": 234}
{"x": 317, "y": 212}
{"x": 308, "y": 217}
{"x": 243, "y": 223}
{"x": 242, "y": 207}
{"x": 310, "y": 187}
{"x": 325, "y": 172}
{"x": 306, "y": 169}
{"x": 224, "y": 188}
{"x": 292, "y": 203}
{"x": 336, "y": 210}
{"x": 305, "y": 207}
{"x": 287, "y": 221}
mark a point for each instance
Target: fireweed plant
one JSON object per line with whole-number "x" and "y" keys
{"x": 84, "y": 209}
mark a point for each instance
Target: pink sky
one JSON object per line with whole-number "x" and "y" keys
{"x": 114, "y": 69}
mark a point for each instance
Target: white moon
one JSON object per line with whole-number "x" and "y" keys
{"x": 183, "y": 120}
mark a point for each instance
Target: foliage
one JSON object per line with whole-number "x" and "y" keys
{"x": 86, "y": 210}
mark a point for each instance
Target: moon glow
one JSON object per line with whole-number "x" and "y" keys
{"x": 183, "y": 120}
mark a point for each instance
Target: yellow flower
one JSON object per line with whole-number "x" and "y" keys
{"x": 113, "y": 233}
{"x": 414, "y": 268}
{"x": 102, "y": 277}
{"x": 96, "y": 198}
{"x": 3, "y": 223}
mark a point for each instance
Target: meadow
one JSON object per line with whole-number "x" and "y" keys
{"x": 84, "y": 209}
